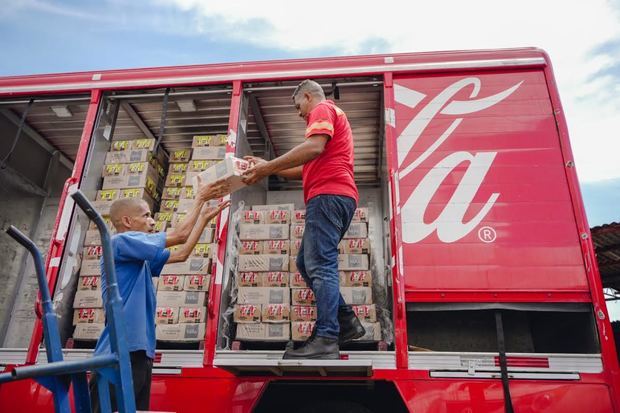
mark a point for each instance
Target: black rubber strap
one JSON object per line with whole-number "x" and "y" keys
{"x": 503, "y": 363}
{"x": 17, "y": 135}
{"x": 164, "y": 120}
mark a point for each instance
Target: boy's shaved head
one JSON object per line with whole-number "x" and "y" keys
{"x": 124, "y": 207}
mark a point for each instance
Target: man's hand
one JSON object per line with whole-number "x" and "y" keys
{"x": 213, "y": 190}
{"x": 211, "y": 212}
{"x": 260, "y": 168}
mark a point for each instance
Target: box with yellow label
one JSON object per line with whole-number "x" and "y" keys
{"x": 177, "y": 168}
{"x": 175, "y": 179}
{"x": 135, "y": 155}
{"x": 180, "y": 155}
{"x": 146, "y": 178}
{"x": 209, "y": 140}
{"x": 108, "y": 195}
{"x": 199, "y": 165}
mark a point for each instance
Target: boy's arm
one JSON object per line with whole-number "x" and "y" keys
{"x": 183, "y": 252}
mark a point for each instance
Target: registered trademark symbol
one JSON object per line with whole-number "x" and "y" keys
{"x": 487, "y": 234}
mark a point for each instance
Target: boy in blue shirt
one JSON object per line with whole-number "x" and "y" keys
{"x": 139, "y": 254}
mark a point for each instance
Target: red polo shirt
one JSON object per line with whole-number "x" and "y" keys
{"x": 330, "y": 173}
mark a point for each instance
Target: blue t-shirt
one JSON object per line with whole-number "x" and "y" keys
{"x": 138, "y": 256}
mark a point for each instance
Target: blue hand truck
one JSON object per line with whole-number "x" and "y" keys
{"x": 57, "y": 375}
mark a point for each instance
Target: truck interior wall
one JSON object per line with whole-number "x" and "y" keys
{"x": 30, "y": 188}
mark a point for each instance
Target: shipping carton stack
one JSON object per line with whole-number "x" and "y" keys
{"x": 262, "y": 312}
{"x": 131, "y": 170}
{"x": 355, "y": 279}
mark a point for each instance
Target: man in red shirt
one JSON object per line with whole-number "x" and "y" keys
{"x": 324, "y": 162}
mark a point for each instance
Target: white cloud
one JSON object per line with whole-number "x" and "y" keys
{"x": 567, "y": 30}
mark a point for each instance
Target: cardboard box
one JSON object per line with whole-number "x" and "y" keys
{"x": 277, "y": 216}
{"x": 354, "y": 246}
{"x": 148, "y": 180}
{"x": 120, "y": 145}
{"x": 301, "y": 330}
{"x": 373, "y": 332}
{"x": 89, "y": 316}
{"x": 259, "y": 232}
{"x": 263, "y": 295}
{"x": 356, "y": 295}
{"x": 107, "y": 222}
{"x": 249, "y": 279}
{"x": 199, "y": 165}
{"x": 296, "y": 280}
{"x": 89, "y": 283}
{"x": 263, "y": 263}
{"x": 90, "y": 267}
{"x": 352, "y": 262}
{"x": 264, "y": 332}
{"x": 303, "y": 313}
{"x": 275, "y": 313}
{"x": 108, "y": 195}
{"x": 167, "y": 315}
{"x": 121, "y": 169}
{"x": 192, "y": 314}
{"x": 357, "y": 230}
{"x": 92, "y": 237}
{"x": 293, "y": 264}
{"x": 295, "y": 245}
{"x": 251, "y": 247}
{"x": 171, "y": 282}
{"x": 297, "y": 230}
{"x": 277, "y": 246}
{"x": 180, "y": 298}
{"x": 247, "y": 313}
{"x": 355, "y": 278}
{"x": 231, "y": 169}
{"x": 172, "y": 192}
{"x": 199, "y": 251}
{"x": 134, "y": 155}
{"x": 253, "y": 217}
{"x": 302, "y": 296}
{"x": 178, "y": 168}
{"x": 92, "y": 252}
{"x": 274, "y": 279}
{"x": 209, "y": 153}
{"x": 274, "y": 207}
{"x": 209, "y": 140}
{"x": 160, "y": 226}
{"x": 177, "y": 218}
{"x": 169, "y": 205}
{"x": 197, "y": 282}
{"x": 163, "y": 216}
{"x": 366, "y": 312}
{"x": 143, "y": 143}
{"x": 88, "y": 331}
{"x": 141, "y": 193}
{"x": 299, "y": 216}
{"x": 176, "y": 179}
{"x": 180, "y": 155}
{"x": 186, "y": 332}
{"x": 360, "y": 215}
{"x": 207, "y": 238}
{"x": 191, "y": 266}
{"x": 88, "y": 299}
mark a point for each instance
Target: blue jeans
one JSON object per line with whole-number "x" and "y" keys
{"x": 327, "y": 220}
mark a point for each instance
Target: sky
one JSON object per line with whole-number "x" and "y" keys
{"x": 581, "y": 37}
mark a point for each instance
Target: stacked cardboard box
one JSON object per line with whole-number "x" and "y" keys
{"x": 355, "y": 278}
{"x": 262, "y": 312}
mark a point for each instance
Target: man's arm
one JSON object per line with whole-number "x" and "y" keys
{"x": 291, "y": 173}
{"x": 312, "y": 147}
{"x": 183, "y": 252}
{"x": 182, "y": 232}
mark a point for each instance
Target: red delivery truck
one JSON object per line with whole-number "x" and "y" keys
{"x": 469, "y": 260}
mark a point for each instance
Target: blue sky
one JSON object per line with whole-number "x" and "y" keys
{"x": 42, "y": 36}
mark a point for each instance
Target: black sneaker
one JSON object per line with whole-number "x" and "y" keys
{"x": 350, "y": 326}
{"x": 317, "y": 347}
